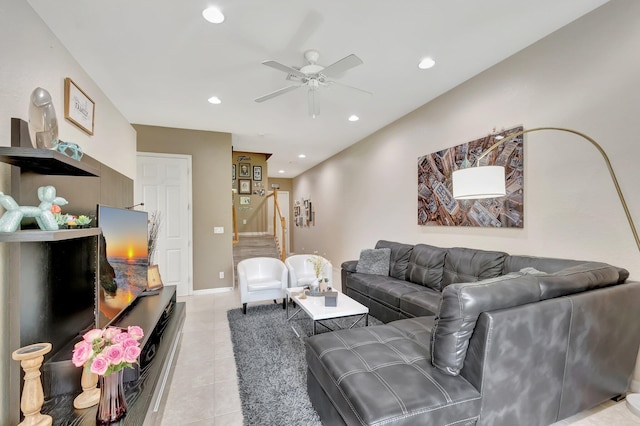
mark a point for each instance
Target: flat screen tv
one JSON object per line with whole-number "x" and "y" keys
{"x": 123, "y": 261}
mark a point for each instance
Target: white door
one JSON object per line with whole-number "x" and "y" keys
{"x": 283, "y": 202}
{"x": 163, "y": 184}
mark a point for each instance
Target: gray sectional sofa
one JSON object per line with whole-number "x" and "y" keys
{"x": 477, "y": 337}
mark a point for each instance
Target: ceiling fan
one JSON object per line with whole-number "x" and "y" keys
{"x": 312, "y": 76}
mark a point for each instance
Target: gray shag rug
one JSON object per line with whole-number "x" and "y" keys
{"x": 271, "y": 365}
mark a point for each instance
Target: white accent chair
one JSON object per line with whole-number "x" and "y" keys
{"x": 301, "y": 271}
{"x": 262, "y": 278}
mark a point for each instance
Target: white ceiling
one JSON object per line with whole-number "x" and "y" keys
{"x": 159, "y": 61}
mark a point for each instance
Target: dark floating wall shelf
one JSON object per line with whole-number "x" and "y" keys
{"x": 36, "y": 235}
{"x": 46, "y": 161}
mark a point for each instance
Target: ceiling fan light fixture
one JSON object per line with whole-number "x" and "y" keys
{"x": 426, "y": 63}
{"x": 214, "y": 100}
{"x": 354, "y": 118}
{"x": 213, "y": 15}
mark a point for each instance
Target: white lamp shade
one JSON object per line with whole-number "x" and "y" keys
{"x": 479, "y": 182}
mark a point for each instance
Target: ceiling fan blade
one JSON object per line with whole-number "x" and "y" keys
{"x": 276, "y": 93}
{"x": 312, "y": 98}
{"x": 342, "y": 65}
{"x": 285, "y": 68}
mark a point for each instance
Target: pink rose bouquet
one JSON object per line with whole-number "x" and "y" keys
{"x": 108, "y": 351}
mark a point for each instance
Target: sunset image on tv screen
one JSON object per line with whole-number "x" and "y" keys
{"x": 123, "y": 271}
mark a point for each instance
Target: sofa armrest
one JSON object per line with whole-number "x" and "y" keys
{"x": 460, "y": 306}
{"x": 350, "y": 265}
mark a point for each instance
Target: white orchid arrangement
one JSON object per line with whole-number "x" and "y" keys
{"x": 319, "y": 263}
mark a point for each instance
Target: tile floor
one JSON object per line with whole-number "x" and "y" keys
{"x": 204, "y": 389}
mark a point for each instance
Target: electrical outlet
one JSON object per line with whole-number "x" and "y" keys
{"x": 218, "y": 230}
{"x": 244, "y": 221}
{"x": 221, "y": 275}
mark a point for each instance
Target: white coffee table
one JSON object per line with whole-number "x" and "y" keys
{"x": 314, "y": 307}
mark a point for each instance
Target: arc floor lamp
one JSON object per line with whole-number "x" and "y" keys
{"x": 489, "y": 182}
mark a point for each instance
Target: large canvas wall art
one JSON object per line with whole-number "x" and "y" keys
{"x": 436, "y": 205}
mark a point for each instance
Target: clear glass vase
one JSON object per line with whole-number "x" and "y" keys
{"x": 112, "y": 406}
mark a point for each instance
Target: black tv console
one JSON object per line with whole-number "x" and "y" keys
{"x": 144, "y": 385}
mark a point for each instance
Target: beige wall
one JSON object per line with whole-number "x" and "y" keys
{"x": 584, "y": 76}
{"x": 252, "y": 217}
{"x": 285, "y": 184}
{"x": 33, "y": 57}
{"x": 211, "y": 162}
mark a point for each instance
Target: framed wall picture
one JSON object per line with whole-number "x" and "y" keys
{"x": 233, "y": 172}
{"x": 154, "y": 281}
{"x": 436, "y": 205}
{"x": 244, "y": 186}
{"x": 257, "y": 172}
{"x": 245, "y": 170}
{"x": 79, "y": 108}
{"x": 245, "y": 201}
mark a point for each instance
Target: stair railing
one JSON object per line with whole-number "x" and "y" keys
{"x": 279, "y": 232}
{"x": 236, "y": 237}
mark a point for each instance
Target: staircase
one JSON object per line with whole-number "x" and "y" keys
{"x": 254, "y": 246}
{"x": 279, "y": 232}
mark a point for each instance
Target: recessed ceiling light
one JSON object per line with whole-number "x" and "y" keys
{"x": 426, "y": 63}
{"x": 280, "y": 171}
{"x": 213, "y": 15}
{"x": 214, "y": 100}
{"x": 354, "y": 118}
{"x": 302, "y": 156}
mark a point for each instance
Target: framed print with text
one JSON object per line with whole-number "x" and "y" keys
{"x": 257, "y": 172}
{"x": 78, "y": 106}
{"x": 154, "y": 281}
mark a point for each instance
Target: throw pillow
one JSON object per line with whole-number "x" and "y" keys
{"x": 374, "y": 261}
{"x": 532, "y": 271}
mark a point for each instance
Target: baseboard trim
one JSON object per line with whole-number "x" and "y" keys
{"x": 212, "y": 291}
{"x": 253, "y": 234}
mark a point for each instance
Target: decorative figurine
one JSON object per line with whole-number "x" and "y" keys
{"x": 70, "y": 149}
{"x": 11, "y": 219}
{"x": 43, "y": 124}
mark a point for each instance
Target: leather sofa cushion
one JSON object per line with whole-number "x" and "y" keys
{"x": 420, "y": 303}
{"x": 418, "y": 329}
{"x": 578, "y": 278}
{"x": 426, "y": 265}
{"x": 544, "y": 264}
{"x": 399, "y": 257}
{"x": 460, "y": 306}
{"x": 363, "y": 283}
{"x": 552, "y": 265}
{"x": 379, "y": 375}
{"x": 464, "y": 265}
{"x": 391, "y": 290}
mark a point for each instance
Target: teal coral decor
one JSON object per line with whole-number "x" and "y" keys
{"x": 70, "y": 149}
{"x": 11, "y": 219}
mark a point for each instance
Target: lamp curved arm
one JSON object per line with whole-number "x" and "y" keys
{"x": 600, "y": 150}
